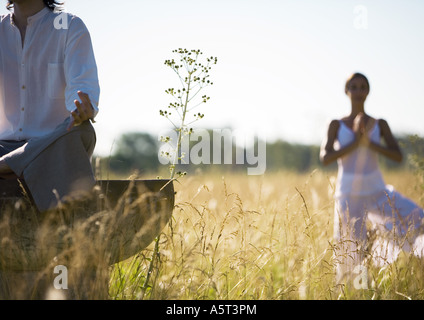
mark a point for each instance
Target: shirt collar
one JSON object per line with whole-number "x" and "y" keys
{"x": 38, "y": 15}
{"x": 34, "y": 17}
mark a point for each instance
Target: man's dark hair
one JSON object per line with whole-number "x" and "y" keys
{"x": 51, "y": 4}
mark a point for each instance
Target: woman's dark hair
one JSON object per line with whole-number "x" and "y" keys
{"x": 353, "y": 76}
{"x": 51, "y": 4}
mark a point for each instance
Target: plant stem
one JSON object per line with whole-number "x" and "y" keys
{"x": 177, "y": 151}
{"x": 150, "y": 270}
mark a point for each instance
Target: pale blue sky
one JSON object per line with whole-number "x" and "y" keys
{"x": 281, "y": 64}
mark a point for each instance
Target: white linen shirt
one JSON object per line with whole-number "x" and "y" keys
{"x": 40, "y": 78}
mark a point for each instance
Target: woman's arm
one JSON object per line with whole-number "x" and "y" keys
{"x": 391, "y": 150}
{"x": 327, "y": 153}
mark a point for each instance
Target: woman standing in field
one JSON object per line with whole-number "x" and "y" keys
{"x": 362, "y": 197}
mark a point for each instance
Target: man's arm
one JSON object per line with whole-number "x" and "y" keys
{"x": 82, "y": 85}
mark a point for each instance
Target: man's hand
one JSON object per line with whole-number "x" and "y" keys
{"x": 84, "y": 110}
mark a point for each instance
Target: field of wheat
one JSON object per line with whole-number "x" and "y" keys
{"x": 259, "y": 237}
{"x": 235, "y": 236}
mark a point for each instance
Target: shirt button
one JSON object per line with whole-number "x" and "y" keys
{"x": 20, "y": 129}
{"x": 23, "y": 87}
{"x": 22, "y": 109}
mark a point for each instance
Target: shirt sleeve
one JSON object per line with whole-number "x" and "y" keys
{"x": 80, "y": 65}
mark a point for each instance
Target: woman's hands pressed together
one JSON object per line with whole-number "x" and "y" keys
{"x": 361, "y": 130}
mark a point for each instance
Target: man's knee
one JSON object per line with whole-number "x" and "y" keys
{"x": 87, "y": 136}
{"x": 7, "y": 146}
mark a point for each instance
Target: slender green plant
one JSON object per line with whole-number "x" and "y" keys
{"x": 194, "y": 77}
{"x": 193, "y": 73}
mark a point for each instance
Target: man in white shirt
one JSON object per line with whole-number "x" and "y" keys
{"x": 49, "y": 92}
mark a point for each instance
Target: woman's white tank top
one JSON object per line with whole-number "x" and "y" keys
{"x": 358, "y": 171}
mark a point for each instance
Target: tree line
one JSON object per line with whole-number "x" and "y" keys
{"x": 138, "y": 151}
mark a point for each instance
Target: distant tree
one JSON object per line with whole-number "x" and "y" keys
{"x": 135, "y": 151}
{"x": 296, "y": 157}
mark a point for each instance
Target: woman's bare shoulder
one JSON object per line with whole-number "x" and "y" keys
{"x": 335, "y": 122}
{"x": 333, "y": 127}
{"x": 382, "y": 121}
{"x": 383, "y": 124}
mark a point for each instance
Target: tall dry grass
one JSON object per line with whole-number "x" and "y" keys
{"x": 250, "y": 237}
{"x": 267, "y": 237}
